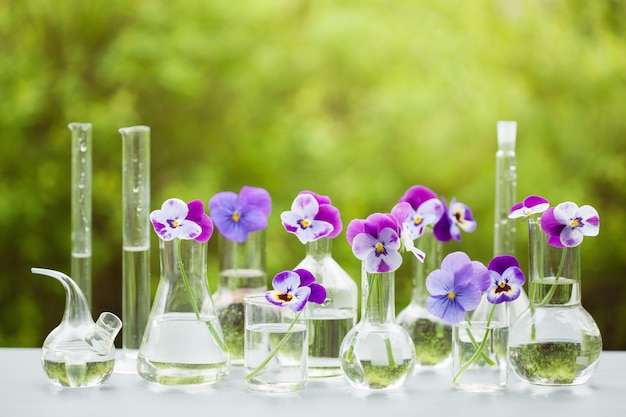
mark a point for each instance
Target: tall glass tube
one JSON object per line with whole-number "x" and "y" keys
{"x": 136, "y": 242}
{"x": 506, "y": 183}
{"x": 81, "y": 217}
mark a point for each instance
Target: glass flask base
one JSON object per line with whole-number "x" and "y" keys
{"x": 80, "y": 374}
{"x": 553, "y": 363}
{"x": 168, "y": 373}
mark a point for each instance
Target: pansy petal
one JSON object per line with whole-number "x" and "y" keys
{"x": 306, "y": 277}
{"x": 514, "y": 276}
{"x": 480, "y": 276}
{"x": 196, "y": 211}
{"x": 188, "y": 230}
{"x": 300, "y": 298}
{"x": 571, "y": 237}
{"x": 306, "y": 205}
{"x": 536, "y": 203}
{"x": 440, "y": 282}
{"x": 225, "y": 200}
{"x": 416, "y": 195}
{"x": 321, "y": 199}
{"x": 401, "y": 211}
{"x": 431, "y": 210}
{"x": 175, "y": 207}
{"x": 318, "y": 294}
{"x": 257, "y": 197}
{"x": 286, "y": 281}
{"x": 252, "y": 219}
{"x": 468, "y": 296}
{"x": 445, "y": 308}
{"x": 591, "y": 220}
{"x": 549, "y": 223}
{"x": 330, "y": 214}
{"x": 455, "y": 261}
{"x": 565, "y": 211}
{"x": 206, "y": 225}
{"x": 355, "y": 227}
{"x": 389, "y": 238}
{"x": 362, "y": 245}
{"x": 502, "y": 263}
{"x": 383, "y": 263}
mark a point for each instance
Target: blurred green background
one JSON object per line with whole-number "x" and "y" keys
{"x": 357, "y": 100}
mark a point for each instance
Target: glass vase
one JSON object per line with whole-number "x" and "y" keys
{"x": 480, "y": 348}
{"x": 183, "y": 342}
{"x": 555, "y": 341}
{"x": 275, "y": 347}
{"x": 242, "y": 272}
{"x": 432, "y": 336}
{"x": 377, "y": 353}
{"x": 328, "y": 324}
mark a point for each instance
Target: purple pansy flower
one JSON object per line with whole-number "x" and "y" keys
{"x": 236, "y": 216}
{"x": 376, "y": 241}
{"x": 426, "y": 209}
{"x": 506, "y": 279}
{"x": 567, "y": 224}
{"x": 456, "y": 288}
{"x": 294, "y": 289}
{"x": 532, "y": 204}
{"x": 177, "y": 219}
{"x": 312, "y": 217}
{"x": 456, "y": 218}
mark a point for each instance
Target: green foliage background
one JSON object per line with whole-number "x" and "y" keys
{"x": 357, "y": 100}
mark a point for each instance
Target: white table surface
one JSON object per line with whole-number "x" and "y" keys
{"x": 25, "y": 391}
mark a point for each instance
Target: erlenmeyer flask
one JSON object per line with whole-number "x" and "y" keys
{"x": 183, "y": 342}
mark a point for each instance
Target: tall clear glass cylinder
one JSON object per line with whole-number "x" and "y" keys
{"x": 242, "y": 272}
{"x": 136, "y": 242}
{"x": 183, "y": 343}
{"x": 81, "y": 215}
{"x": 432, "y": 336}
{"x": 329, "y": 323}
{"x": 505, "y": 190}
{"x": 555, "y": 341}
{"x": 377, "y": 354}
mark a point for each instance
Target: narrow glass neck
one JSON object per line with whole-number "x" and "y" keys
{"x": 554, "y": 272}
{"x": 378, "y": 297}
{"x": 319, "y": 248}
{"x": 433, "y": 249}
{"x": 246, "y": 255}
{"x": 190, "y": 254}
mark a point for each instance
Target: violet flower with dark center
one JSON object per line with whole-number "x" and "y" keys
{"x": 294, "y": 289}
{"x": 376, "y": 241}
{"x": 456, "y": 288}
{"x": 312, "y": 217}
{"x": 426, "y": 209}
{"x": 506, "y": 278}
{"x": 532, "y": 204}
{"x": 236, "y": 216}
{"x": 455, "y": 218}
{"x": 567, "y": 224}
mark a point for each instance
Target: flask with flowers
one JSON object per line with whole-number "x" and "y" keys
{"x": 431, "y": 223}
{"x": 555, "y": 341}
{"x": 241, "y": 220}
{"x": 479, "y": 338}
{"x": 378, "y": 353}
{"x": 316, "y": 222}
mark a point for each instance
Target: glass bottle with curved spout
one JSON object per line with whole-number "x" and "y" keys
{"x": 79, "y": 352}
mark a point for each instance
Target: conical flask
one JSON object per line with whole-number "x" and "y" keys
{"x": 79, "y": 352}
{"x": 183, "y": 342}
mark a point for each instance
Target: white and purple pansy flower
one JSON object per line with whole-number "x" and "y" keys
{"x": 177, "y": 219}
{"x": 456, "y": 288}
{"x": 312, "y": 217}
{"x": 532, "y": 204}
{"x": 455, "y": 218}
{"x": 506, "y": 278}
{"x": 567, "y": 224}
{"x": 236, "y": 216}
{"x": 294, "y": 289}
{"x": 376, "y": 241}
{"x": 426, "y": 209}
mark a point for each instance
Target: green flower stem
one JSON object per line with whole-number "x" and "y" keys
{"x": 192, "y": 299}
{"x": 276, "y": 349}
{"x": 473, "y": 339}
{"x": 381, "y": 313}
{"x": 479, "y": 350}
{"x": 548, "y": 296}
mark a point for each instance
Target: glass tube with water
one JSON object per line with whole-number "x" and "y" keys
{"x": 136, "y": 242}
{"x": 506, "y": 183}
{"x": 81, "y": 217}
